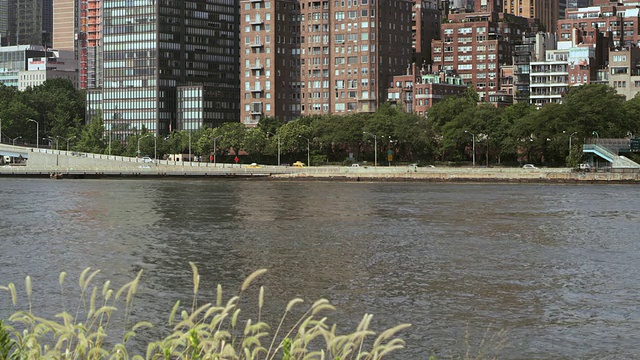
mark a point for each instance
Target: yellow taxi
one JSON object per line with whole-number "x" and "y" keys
{"x": 298, "y": 164}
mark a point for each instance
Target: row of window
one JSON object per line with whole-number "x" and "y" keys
{"x": 479, "y": 57}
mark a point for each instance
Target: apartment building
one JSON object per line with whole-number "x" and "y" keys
{"x": 546, "y": 11}
{"x": 624, "y": 71}
{"x": 476, "y": 45}
{"x": 550, "y": 78}
{"x": 168, "y": 65}
{"x": 425, "y": 27}
{"x": 321, "y": 56}
{"x": 420, "y": 88}
{"x": 623, "y": 22}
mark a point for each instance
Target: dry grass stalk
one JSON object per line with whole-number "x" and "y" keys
{"x": 205, "y": 331}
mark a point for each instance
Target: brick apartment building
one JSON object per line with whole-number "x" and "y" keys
{"x": 320, "y": 56}
{"x": 622, "y": 21}
{"x": 476, "y": 45}
{"x": 425, "y": 27}
{"x": 546, "y": 11}
{"x": 418, "y": 89}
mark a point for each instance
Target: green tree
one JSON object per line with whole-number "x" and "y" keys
{"x": 596, "y": 107}
{"x": 269, "y": 124}
{"x": 92, "y": 137}
{"x": 232, "y": 136}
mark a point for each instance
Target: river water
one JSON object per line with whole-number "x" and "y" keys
{"x": 517, "y": 271}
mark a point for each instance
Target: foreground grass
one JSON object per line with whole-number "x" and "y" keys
{"x": 199, "y": 331}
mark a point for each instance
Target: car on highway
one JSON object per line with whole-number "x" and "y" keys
{"x": 147, "y": 159}
{"x": 529, "y": 166}
{"x": 298, "y": 164}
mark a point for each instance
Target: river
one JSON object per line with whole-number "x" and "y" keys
{"x": 514, "y": 270}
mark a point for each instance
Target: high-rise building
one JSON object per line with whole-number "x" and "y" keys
{"x": 475, "y": 45}
{"x": 622, "y": 21}
{"x": 546, "y": 11}
{"x": 425, "y": 26}
{"x": 28, "y": 22}
{"x": 90, "y": 43}
{"x": 168, "y": 65}
{"x": 47, "y": 23}
{"x": 4, "y": 22}
{"x": 65, "y": 24}
{"x": 320, "y": 57}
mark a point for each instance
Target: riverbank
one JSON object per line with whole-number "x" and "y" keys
{"x": 333, "y": 173}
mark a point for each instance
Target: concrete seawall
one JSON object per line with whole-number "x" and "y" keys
{"x": 42, "y": 163}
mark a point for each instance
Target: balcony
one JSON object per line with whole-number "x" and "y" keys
{"x": 256, "y": 108}
{"x": 256, "y": 44}
{"x": 256, "y": 90}
{"x": 256, "y": 66}
{"x": 256, "y": 21}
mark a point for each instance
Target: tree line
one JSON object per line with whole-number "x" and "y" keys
{"x": 451, "y": 131}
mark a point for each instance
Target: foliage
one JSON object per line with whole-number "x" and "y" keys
{"x": 201, "y": 331}
{"x": 55, "y": 105}
{"x": 516, "y": 134}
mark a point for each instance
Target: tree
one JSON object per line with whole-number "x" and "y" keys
{"x": 232, "y": 136}
{"x": 269, "y": 124}
{"x": 596, "y": 107}
{"x": 92, "y": 137}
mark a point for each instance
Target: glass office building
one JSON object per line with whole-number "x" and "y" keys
{"x": 153, "y": 48}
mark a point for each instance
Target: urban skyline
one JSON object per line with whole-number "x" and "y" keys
{"x": 170, "y": 65}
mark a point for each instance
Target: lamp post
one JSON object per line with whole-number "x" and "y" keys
{"x": 14, "y": 140}
{"x": 596, "y": 134}
{"x": 189, "y": 145}
{"x": 214, "y": 148}
{"x": 570, "y": 136}
{"x": 473, "y": 148}
{"x": 375, "y": 145}
{"x": 308, "y": 147}
{"x": 68, "y": 142}
{"x": 50, "y": 140}
{"x": 140, "y": 138}
{"x": 278, "y": 145}
{"x": 37, "y": 133}
{"x": 155, "y": 147}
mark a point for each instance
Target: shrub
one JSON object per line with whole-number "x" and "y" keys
{"x": 204, "y": 331}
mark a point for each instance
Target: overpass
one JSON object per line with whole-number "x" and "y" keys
{"x": 609, "y": 150}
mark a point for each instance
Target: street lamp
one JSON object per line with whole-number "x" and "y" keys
{"x": 570, "y": 136}
{"x": 596, "y": 134}
{"x": 14, "y": 140}
{"x": 375, "y": 145}
{"x": 37, "y": 133}
{"x": 278, "y": 145}
{"x": 68, "y": 142}
{"x": 214, "y": 148}
{"x": 473, "y": 148}
{"x": 140, "y": 138}
{"x": 50, "y": 140}
{"x": 308, "y": 147}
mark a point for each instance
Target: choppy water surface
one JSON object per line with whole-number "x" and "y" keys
{"x": 555, "y": 266}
